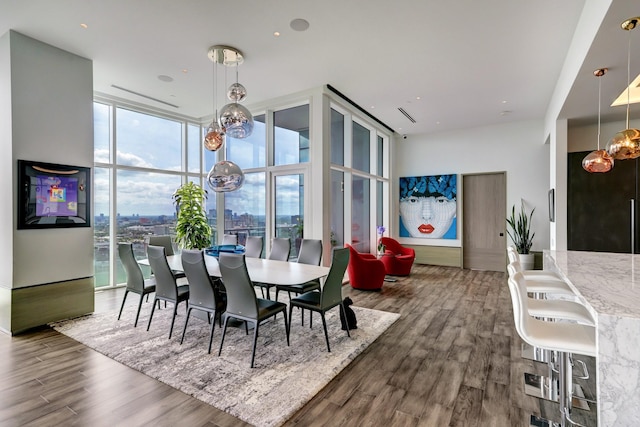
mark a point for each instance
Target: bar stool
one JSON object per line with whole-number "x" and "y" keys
{"x": 514, "y": 256}
{"x": 541, "y": 284}
{"x": 565, "y": 338}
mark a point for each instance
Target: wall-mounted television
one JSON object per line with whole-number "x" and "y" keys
{"x": 53, "y": 196}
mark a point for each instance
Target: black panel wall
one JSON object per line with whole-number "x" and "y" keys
{"x": 599, "y": 206}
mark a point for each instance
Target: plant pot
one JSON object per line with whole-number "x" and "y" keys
{"x": 527, "y": 261}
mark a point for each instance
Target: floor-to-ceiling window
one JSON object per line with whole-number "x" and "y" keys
{"x": 140, "y": 160}
{"x": 143, "y": 155}
{"x": 359, "y": 180}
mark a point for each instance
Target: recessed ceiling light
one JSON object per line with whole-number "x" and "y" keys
{"x": 166, "y": 79}
{"x": 184, "y": 70}
{"x": 373, "y": 106}
{"x": 276, "y": 33}
{"x": 299, "y": 24}
{"x": 504, "y": 101}
{"x": 85, "y": 26}
{"x": 418, "y": 98}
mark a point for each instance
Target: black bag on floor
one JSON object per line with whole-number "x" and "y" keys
{"x": 351, "y": 316}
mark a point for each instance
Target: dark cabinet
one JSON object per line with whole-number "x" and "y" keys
{"x": 599, "y": 207}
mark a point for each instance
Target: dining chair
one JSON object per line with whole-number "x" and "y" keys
{"x": 167, "y": 243}
{"x": 311, "y": 254}
{"x": 204, "y": 295}
{"x": 253, "y": 247}
{"x": 230, "y": 239}
{"x": 136, "y": 282}
{"x": 280, "y": 248}
{"x": 242, "y": 303}
{"x": 167, "y": 289}
{"x": 329, "y": 296}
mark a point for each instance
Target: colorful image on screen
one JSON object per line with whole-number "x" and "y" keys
{"x": 56, "y": 196}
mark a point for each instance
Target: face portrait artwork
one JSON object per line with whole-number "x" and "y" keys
{"x": 428, "y": 207}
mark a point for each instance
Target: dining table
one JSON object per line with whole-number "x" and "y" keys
{"x": 260, "y": 270}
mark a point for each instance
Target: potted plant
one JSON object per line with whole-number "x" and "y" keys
{"x": 192, "y": 228}
{"x": 519, "y": 231}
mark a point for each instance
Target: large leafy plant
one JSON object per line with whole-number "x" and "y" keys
{"x": 519, "y": 229}
{"x": 192, "y": 229}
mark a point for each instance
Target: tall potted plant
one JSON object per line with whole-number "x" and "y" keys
{"x": 192, "y": 229}
{"x": 519, "y": 231}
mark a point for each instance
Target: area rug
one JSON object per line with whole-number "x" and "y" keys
{"x": 282, "y": 381}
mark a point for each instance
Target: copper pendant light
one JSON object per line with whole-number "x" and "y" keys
{"x": 626, "y": 143}
{"x": 598, "y": 161}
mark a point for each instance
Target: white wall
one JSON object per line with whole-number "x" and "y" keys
{"x": 52, "y": 121}
{"x": 515, "y": 148}
{"x": 6, "y": 169}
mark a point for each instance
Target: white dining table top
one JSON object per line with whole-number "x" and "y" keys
{"x": 261, "y": 270}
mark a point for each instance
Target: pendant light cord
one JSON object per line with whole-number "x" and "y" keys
{"x": 628, "y": 77}
{"x": 599, "y": 103}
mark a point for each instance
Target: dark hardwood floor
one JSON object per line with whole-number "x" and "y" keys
{"x": 452, "y": 359}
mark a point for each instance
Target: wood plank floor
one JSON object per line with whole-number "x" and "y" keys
{"x": 452, "y": 359}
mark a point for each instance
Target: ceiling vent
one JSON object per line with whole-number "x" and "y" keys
{"x": 407, "y": 115}
{"x": 144, "y": 96}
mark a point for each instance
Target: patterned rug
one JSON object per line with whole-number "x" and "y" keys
{"x": 282, "y": 381}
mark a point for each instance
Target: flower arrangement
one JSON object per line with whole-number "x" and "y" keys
{"x": 380, "y": 229}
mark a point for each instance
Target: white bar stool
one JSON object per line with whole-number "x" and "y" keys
{"x": 565, "y": 338}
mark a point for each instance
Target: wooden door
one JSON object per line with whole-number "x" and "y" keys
{"x": 484, "y": 206}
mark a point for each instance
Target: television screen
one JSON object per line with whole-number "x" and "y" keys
{"x": 53, "y": 195}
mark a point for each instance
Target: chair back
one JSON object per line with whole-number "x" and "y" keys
{"x": 164, "y": 241}
{"x": 253, "y": 247}
{"x": 165, "y": 281}
{"x": 241, "y": 297}
{"x": 332, "y": 289}
{"x": 201, "y": 287}
{"x": 230, "y": 239}
{"x": 514, "y": 267}
{"x": 516, "y": 300}
{"x": 135, "y": 279}
{"x": 280, "y": 247}
{"x": 310, "y": 252}
{"x": 391, "y": 244}
{"x": 512, "y": 254}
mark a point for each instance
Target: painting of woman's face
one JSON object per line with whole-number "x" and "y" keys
{"x": 427, "y": 217}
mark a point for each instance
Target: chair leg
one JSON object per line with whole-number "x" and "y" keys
{"x": 224, "y": 331}
{"x": 277, "y": 291}
{"x": 153, "y": 308}
{"x": 344, "y": 313}
{"x": 186, "y": 321}
{"x": 173, "y": 318}
{"x": 138, "y": 312}
{"x": 290, "y": 322}
{"x": 326, "y": 334}
{"x": 213, "y": 326}
{"x": 255, "y": 339}
{"x": 126, "y": 292}
{"x": 286, "y": 324}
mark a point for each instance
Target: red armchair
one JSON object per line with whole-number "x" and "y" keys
{"x": 365, "y": 270}
{"x": 397, "y": 259}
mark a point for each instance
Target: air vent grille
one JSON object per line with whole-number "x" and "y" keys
{"x": 407, "y": 115}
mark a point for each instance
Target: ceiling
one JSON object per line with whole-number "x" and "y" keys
{"x": 470, "y": 63}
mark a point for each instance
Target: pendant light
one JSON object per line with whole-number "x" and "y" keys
{"x": 598, "y": 161}
{"x": 235, "y": 118}
{"x": 214, "y": 136}
{"x": 626, "y": 143}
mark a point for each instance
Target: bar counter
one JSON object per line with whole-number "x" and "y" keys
{"x": 609, "y": 285}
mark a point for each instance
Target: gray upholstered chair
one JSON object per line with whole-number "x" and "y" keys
{"x": 164, "y": 241}
{"x": 242, "y": 303}
{"x": 167, "y": 243}
{"x": 280, "y": 248}
{"x": 330, "y": 295}
{"x": 167, "y": 289}
{"x": 311, "y": 254}
{"x": 230, "y": 239}
{"x": 136, "y": 282}
{"x": 253, "y": 247}
{"x": 204, "y": 294}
